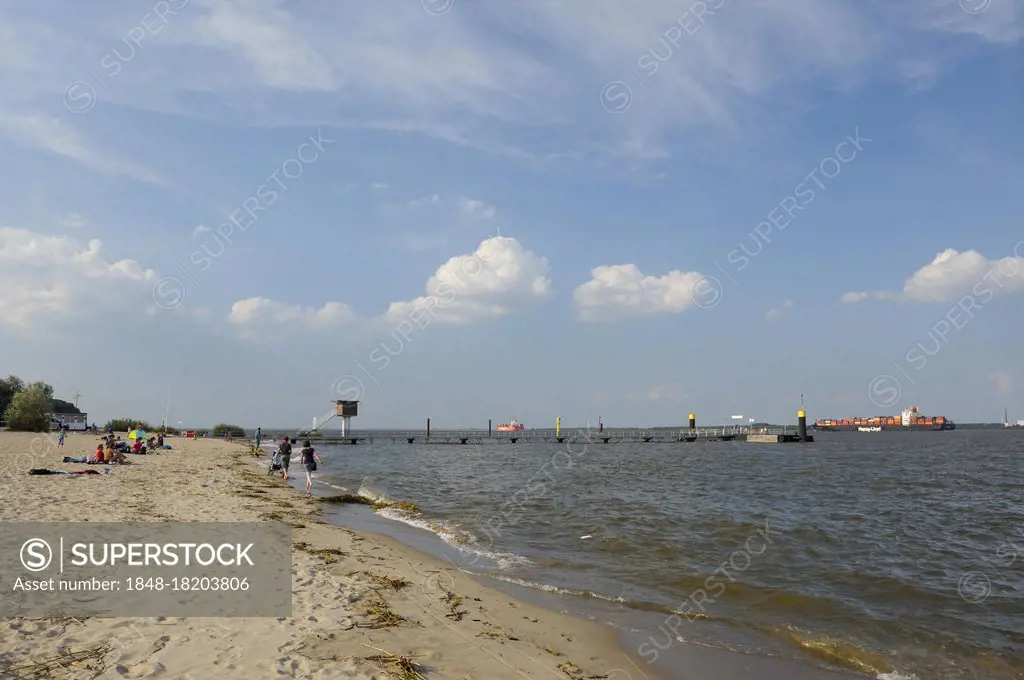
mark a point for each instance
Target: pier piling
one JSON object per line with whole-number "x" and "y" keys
{"x": 693, "y": 423}
{"x": 801, "y": 425}
{"x": 428, "y": 428}
{"x": 488, "y": 427}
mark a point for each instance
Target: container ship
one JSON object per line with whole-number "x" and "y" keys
{"x": 910, "y": 419}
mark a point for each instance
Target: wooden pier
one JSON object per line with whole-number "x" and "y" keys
{"x": 556, "y": 435}
{"x": 550, "y": 436}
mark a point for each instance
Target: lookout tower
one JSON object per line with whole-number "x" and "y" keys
{"x": 346, "y": 410}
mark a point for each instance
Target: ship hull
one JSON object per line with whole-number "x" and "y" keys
{"x": 890, "y": 428}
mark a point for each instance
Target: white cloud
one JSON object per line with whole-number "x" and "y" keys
{"x": 500, "y": 276}
{"x": 777, "y": 312}
{"x": 953, "y": 274}
{"x": 1002, "y": 381}
{"x": 53, "y": 135}
{"x": 73, "y": 221}
{"x": 200, "y": 230}
{"x": 476, "y": 209}
{"x": 376, "y": 185}
{"x": 259, "y": 311}
{"x": 490, "y": 74}
{"x": 621, "y": 291}
{"x": 497, "y": 278}
{"x": 426, "y": 200}
{"x": 43, "y": 275}
{"x": 268, "y": 39}
{"x": 397, "y": 209}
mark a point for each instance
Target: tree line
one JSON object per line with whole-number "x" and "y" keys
{"x": 28, "y": 406}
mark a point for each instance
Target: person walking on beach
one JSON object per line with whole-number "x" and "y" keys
{"x": 60, "y": 439}
{"x": 285, "y": 450}
{"x": 259, "y": 436}
{"x": 309, "y": 460}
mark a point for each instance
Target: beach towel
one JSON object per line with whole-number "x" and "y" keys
{"x": 44, "y": 471}
{"x": 83, "y": 459}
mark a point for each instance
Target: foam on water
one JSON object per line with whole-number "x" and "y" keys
{"x": 449, "y": 532}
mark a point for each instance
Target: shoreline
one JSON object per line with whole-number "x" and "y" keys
{"x": 353, "y": 592}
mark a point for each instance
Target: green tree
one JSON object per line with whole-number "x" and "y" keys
{"x": 222, "y": 429}
{"x": 9, "y": 386}
{"x": 126, "y": 424}
{"x": 30, "y": 409}
{"x": 61, "y": 406}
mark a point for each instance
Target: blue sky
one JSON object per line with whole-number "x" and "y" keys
{"x": 546, "y": 203}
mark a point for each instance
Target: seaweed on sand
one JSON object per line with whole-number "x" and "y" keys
{"x": 382, "y": 580}
{"x": 61, "y": 665}
{"x": 351, "y": 498}
{"x": 383, "y": 615}
{"x": 398, "y": 667}
{"x": 330, "y": 555}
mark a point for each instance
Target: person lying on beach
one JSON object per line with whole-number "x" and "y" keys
{"x": 309, "y": 460}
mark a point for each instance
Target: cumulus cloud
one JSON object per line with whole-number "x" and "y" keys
{"x": 777, "y": 312}
{"x": 622, "y": 290}
{"x": 257, "y": 311}
{"x": 953, "y": 274}
{"x": 42, "y": 275}
{"x": 476, "y": 209}
{"x": 499, "y": 276}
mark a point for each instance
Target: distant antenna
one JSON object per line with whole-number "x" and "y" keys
{"x": 801, "y": 401}
{"x": 77, "y": 395}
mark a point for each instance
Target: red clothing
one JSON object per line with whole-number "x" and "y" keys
{"x": 137, "y": 447}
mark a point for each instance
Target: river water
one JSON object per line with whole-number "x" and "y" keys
{"x": 888, "y": 555}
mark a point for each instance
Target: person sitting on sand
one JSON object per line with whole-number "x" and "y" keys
{"x": 309, "y": 460}
{"x": 137, "y": 447}
{"x": 100, "y": 456}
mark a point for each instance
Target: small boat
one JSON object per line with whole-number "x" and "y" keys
{"x": 869, "y": 429}
{"x": 514, "y": 426}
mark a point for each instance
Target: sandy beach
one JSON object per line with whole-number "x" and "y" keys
{"x": 355, "y": 595}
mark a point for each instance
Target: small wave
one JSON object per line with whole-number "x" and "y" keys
{"x": 840, "y": 652}
{"x": 553, "y": 589}
{"x": 449, "y": 532}
{"x": 896, "y": 675}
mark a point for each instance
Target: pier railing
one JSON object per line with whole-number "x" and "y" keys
{"x": 550, "y": 434}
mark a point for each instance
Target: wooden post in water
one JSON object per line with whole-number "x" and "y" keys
{"x": 428, "y": 428}
{"x": 801, "y": 424}
{"x": 600, "y": 425}
{"x": 558, "y": 426}
{"x": 693, "y": 423}
{"x": 488, "y": 427}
